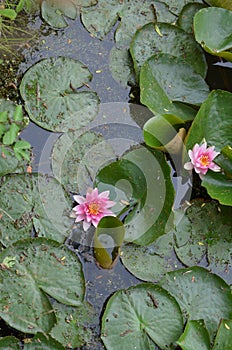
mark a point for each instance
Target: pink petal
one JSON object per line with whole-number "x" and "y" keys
{"x": 80, "y": 218}
{"x": 214, "y": 167}
{"x": 188, "y": 166}
{"x": 104, "y": 194}
{"x": 86, "y": 225}
{"x": 79, "y": 199}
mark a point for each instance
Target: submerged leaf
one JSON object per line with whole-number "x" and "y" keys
{"x": 107, "y": 241}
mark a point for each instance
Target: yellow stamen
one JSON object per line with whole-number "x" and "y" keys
{"x": 204, "y": 160}
{"x": 93, "y": 209}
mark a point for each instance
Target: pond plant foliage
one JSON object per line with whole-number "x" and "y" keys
{"x": 182, "y": 257}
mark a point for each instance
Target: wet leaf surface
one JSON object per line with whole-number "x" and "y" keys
{"x": 52, "y": 100}
{"x": 41, "y": 266}
{"x": 34, "y": 201}
{"x": 141, "y": 317}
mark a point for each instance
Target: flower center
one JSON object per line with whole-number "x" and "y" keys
{"x": 93, "y": 208}
{"x": 204, "y": 160}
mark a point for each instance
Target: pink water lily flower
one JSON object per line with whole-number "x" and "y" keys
{"x": 202, "y": 159}
{"x": 92, "y": 208}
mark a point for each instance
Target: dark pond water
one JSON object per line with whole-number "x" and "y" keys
{"x": 75, "y": 42}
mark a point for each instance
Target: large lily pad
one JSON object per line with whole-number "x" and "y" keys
{"x": 137, "y": 15}
{"x": 141, "y": 317}
{"x": 24, "y": 304}
{"x": 76, "y": 158}
{"x": 217, "y": 42}
{"x": 140, "y": 183}
{"x": 215, "y": 111}
{"x": 34, "y": 201}
{"x": 201, "y": 295}
{"x": 71, "y": 328}
{"x": 165, "y": 80}
{"x": 49, "y": 89}
{"x": 100, "y": 19}
{"x": 160, "y": 258}
{"x": 205, "y": 230}
{"x": 169, "y": 39}
{"x": 53, "y": 11}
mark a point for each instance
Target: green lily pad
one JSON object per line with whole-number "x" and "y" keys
{"x": 54, "y": 11}
{"x": 176, "y": 6}
{"x": 216, "y": 42}
{"x": 224, "y": 160}
{"x": 216, "y": 110}
{"x": 9, "y": 343}
{"x": 226, "y": 4}
{"x": 160, "y": 258}
{"x": 71, "y": 328}
{"x": 169, "y": 39}
{"x": 77, "y": 157}
{"x": 185, "y": 19}
{"x": 223, "y": 338}
{"x": 195, "y": 336}
{"x": 141, "y": 317}
{"x": 107, "y": 241}
{"x": 34, "y": 201}
{"x": 121, "y": 66}
{"x": 219, "y": 187}
{"x": 201, "y": 295}
{"x": 49, "y": 90}
{"x": 140, "y": 183}
{"x": 42, "y": 341}
{"x": 100, "y": 19}
{"x": 205, "y": 229}
{"x": 137, "y": 15}
{"x": 165, "y": 80}
{"x": 24, "y": 304}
